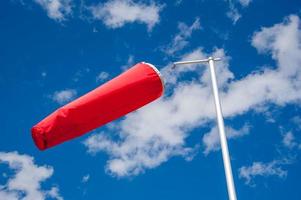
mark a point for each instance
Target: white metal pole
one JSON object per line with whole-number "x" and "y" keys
{"x": 220, "y": 122}
{"x": 221, "y": 128}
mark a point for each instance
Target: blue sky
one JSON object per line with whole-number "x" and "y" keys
{"x": 53, "y": 51}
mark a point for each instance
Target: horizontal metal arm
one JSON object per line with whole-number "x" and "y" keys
{"x": 196, "y": 61}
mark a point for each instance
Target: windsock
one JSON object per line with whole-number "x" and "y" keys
{"x": 127, "y": 92}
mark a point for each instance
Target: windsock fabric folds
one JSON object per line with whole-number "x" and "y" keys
{"x": 129, "y": 91}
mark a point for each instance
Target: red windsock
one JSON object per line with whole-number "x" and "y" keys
{"x": 129, "y": 91}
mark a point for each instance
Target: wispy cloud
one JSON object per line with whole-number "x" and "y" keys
{"x": 81, "y": 73}
{"x": 86, "y": 178}
{"x": 26, "y": 183}
{"x": 63, "y": 96}
{"x": 102, "y": 76}
{"x": 289, "y": 140}
{"x": 166, "y": 123}
{"x": 233, "y": 12}
{"x": 117, "y": 13}
{"x": 54, "y": 193}
{"x": 44, "y": 74}
{"x": 211, "y": 139}
{"x": 180, "y": 39}
{"x": 245, "y": 3}
{"x": 178, "y": 2}
{"x": 273, "y": 168}
{"x": 297, "y": 121}
{"x": 130, "y": 62}
{"x": 56, "y": 9}
{"x": 136, "y": 153}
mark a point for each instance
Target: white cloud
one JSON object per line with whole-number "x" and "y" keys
{"x": 86, "y": 178}
{"x": 245, "y": 3}
{"x": 154, "y": 133}
{"x": 130, "y": 62}
{"x": 44, "y": 74}
{"x": 136, "y": 153}
{"x": 297, "y": 121}
{"x": 64, "y": 96}
{"x": 273, "y": 168}
{"x": 56, "y": 9}
{"x": 180, "y": 39}
{"x": 211, "y": 139}
{"x": 54, "y": 193}
{"x": 289, "y": 140}
{"x": 178, "y": 2}
{"x": 279, "y": 86}
{"x": 233, "y": 12}
{"x": 102, "y": 76}
{"x": 117, "y": 13}
{"x": 26, "y": 183}
{"x": 81, "y": 73}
